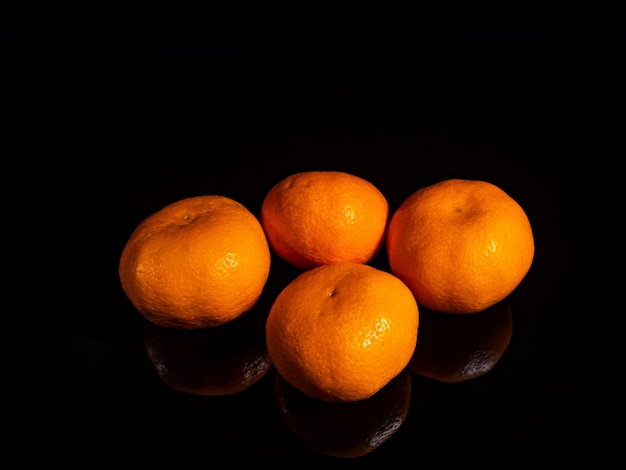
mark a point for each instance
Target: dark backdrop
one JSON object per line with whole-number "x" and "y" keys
{"x": 115, "y": 113}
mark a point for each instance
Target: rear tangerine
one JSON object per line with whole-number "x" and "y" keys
{"x": 322, "y": 217}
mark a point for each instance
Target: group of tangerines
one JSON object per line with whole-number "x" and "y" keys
{"x": 341, "y": 329}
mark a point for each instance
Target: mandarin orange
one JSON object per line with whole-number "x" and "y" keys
{"x": 340, "y": 332}
{"x": 322, "y": 217}
{"x": 196, "y": 263}
{"x": 460, "y": 245}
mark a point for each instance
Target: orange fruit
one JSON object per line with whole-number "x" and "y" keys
{"x": 198, "y": 262}
{"x": 455, "y": 348}
{"x": 460, "y": 245}
{"x": 322, "y": 217}
{"x": 345, "y": 430}
{"x": 221, "y": 360}
{"x": 340, "y": 332}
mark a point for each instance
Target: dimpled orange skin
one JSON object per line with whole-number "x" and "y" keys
{"x": 322, "y": 217}
{"x": 460, "y": 245}
{"x": 196, "y": 263}
{"x": 341, "y": 332}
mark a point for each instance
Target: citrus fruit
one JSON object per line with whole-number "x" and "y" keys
{"x": 346, "y": 430}
{"x": 322, "y": 217}
{"x": 198, "y": 262}
{"x": 455, "y": 348}
{"x": 340, "y": 332}
{"x": 460, "y": 245}
{"x": 220, "y": 360}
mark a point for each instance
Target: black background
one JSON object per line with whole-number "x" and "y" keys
{"x": 113, "y": 114}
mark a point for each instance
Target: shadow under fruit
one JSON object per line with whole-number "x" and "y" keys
{"x": 345, "y": 430}
{"x": 221, "y": 360}
{"x": 455, "y": 348}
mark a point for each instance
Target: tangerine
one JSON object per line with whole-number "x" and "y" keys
{"x": 322, "y": 217}
{"x": 460, "y": 245}
{"x": 340, "y": 332}
{"x": 196, "y": 263}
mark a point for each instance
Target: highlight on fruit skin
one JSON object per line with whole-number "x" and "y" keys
{"x": 461, "y": 246}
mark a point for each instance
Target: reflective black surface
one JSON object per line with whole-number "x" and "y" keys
{"x": 125, "y": 137}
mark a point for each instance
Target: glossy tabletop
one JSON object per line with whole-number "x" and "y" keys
{"x": 127, "y": 137}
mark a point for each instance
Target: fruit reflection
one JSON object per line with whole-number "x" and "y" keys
{"x": 455, "y": 348}
{"x": 345, "y": 430}
{"x": 222, "y": 360}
